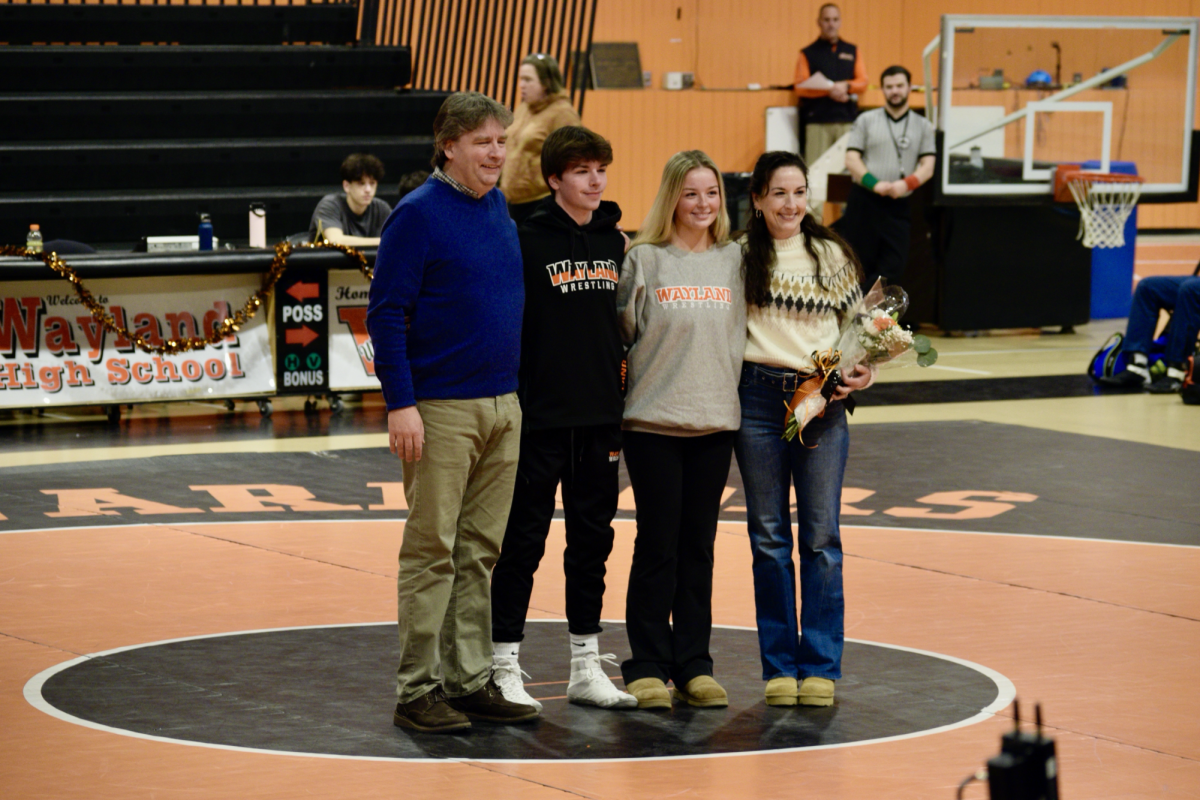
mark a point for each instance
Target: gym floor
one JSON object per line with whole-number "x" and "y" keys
{"x": 198, "y": 603}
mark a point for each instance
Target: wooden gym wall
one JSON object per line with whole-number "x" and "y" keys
{"x": 729, "y": 44}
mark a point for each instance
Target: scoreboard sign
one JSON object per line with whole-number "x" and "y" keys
{"x": 302, "y": 332}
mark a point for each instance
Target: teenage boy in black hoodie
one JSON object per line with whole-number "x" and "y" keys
{"x": 571, "y": 399}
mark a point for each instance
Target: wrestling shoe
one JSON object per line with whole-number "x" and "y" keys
{"x": 507, "y": 674}
{"x": 1132, "y": 377}
{"x": 1168, "y": 383}
{"x": 589, "y": 685}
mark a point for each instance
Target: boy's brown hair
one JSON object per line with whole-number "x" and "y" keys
{"x": 571, "y": 145}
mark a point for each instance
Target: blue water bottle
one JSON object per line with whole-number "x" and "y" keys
{"x": 205, "y": 232}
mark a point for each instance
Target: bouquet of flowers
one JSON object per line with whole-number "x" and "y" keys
{"x": 872, "y": 336}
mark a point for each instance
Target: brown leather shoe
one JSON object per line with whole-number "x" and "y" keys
{"x": 487, "y": 703}
{"x": 429, "y": 713}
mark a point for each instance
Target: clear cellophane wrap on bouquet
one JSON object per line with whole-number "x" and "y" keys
{"x": 871, "y": 335}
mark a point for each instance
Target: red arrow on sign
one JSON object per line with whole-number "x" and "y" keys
{"x": 304, "y": 291}
{"x": 302, "y": 336}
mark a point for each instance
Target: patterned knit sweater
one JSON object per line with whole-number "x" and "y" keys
{"x": 803, "y": 315}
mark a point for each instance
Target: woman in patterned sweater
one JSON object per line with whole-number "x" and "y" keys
{"x": 801, "y": 279}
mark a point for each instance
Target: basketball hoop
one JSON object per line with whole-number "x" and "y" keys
{"x": 1105, "y": 200}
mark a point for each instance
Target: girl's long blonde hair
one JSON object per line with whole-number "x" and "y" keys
{"x": 659, "y": 225}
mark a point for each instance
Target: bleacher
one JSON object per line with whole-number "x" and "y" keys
{"x": 107, "y": 143}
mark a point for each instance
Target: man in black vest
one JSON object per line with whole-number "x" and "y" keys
{"x": 827, "y": 111}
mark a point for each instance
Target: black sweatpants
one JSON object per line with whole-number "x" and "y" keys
{"x": 585, "y": 460}
{"x": 878, "y": 228}
{"x": 677, "y": 486}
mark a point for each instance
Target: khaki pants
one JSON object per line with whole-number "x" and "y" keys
{"x": 458, "y": 496}
{"x": 820, "y": 136}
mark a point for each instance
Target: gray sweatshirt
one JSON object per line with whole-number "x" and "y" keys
{"x": 684, "y": 317}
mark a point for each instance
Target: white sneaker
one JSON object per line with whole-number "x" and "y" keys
{"x": 589, "y": 685}
{"x": 507, "y": 674}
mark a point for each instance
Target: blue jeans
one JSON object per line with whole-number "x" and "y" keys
{"x": 1176, "y": 293}
{"x": 768, "y": 465}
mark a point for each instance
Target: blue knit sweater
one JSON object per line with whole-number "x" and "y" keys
{"x": 452, "y": 265}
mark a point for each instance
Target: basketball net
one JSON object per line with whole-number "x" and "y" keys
{"x": 1105, "y": 201}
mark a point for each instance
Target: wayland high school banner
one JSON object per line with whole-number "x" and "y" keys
{"x": 52, "y": 352}
{"x": 351, "y": 357}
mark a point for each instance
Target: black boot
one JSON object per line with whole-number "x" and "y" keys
{"x": 1169, "y": 383}
{"x": 1136, "y": 374}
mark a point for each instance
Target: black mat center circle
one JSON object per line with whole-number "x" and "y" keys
{"x": 330, "y": 691}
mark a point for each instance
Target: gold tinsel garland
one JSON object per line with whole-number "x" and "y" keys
{"x": 224, "y": 329}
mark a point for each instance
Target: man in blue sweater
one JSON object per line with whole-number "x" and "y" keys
{"x": 445, "y": 321}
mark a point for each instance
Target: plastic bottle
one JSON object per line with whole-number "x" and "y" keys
{"x": 33, "y": 239}
{"x": 206, "y": 232}
{"x": 258, "y": 224}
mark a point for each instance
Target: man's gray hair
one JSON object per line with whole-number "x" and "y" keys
{"x": 462, "y": 113}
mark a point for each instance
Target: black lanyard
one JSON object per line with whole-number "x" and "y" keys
{"x": 903, "y": 141}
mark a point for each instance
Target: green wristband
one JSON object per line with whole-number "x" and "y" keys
{"x": 869, "y": 181}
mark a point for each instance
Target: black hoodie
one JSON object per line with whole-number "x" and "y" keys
{"x": 571, "y": 349}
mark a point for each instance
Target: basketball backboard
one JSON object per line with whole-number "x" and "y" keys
{"x": 1018, "y": 95}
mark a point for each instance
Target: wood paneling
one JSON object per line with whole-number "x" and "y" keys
{"x": 665, "y": 32}
{"x": 729, "y": 44}
{"x": 732, "y": 43}
{"x": 647, "y": 126}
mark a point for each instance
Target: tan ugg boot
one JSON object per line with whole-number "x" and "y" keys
{"x": 781, "y": 691}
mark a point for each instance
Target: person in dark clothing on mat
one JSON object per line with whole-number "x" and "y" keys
{"x": 571, "y": 398}
{"x": 891, "y": 152}
{"x": 1179, "y": 294}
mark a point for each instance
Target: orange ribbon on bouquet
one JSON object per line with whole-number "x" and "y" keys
{"x": 823, "y": 366}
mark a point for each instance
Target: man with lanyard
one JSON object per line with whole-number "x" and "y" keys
{"x": 827, "y": 113}
{"x": 891, "y": 152}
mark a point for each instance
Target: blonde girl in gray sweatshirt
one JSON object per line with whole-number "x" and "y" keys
{"x": 682, "y": 312}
